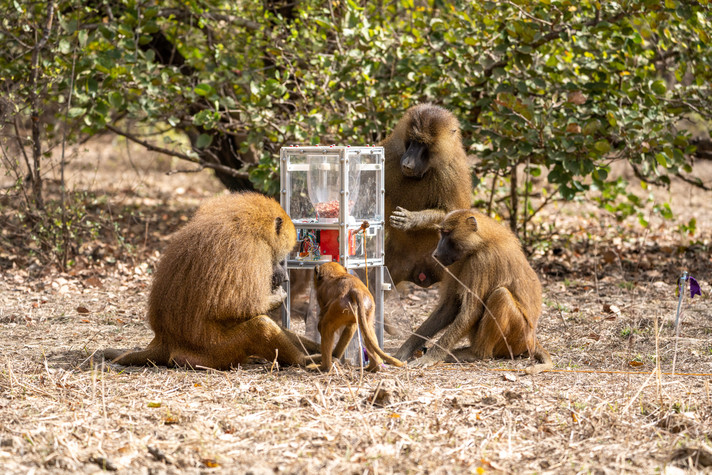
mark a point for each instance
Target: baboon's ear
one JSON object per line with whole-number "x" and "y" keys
{"x": 277, "y": 225}
{"x": 317, "y": 272}
{"x": 472, "y": 222}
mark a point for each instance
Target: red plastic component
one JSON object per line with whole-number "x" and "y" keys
{"x": 330, "y": 243}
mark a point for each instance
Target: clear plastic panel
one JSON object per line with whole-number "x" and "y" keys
{"x": 301, "y": 208}
{"x": 367, "y": 167}
{"x": 315, "y": 186}
{"x": 362, "y": 247}
{"x": 324, "y": 185}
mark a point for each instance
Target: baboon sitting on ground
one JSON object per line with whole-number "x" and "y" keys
{"x": 217, "y": 278}
{"x": 426, "y": 176}
{"x": 491, "y": 296}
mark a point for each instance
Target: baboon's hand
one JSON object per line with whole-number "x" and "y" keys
{"x": 423, "y": 362}
{"x": 277, "y": 297}
{"x": 403, "y": 353}
{"x": 403, "y": 219}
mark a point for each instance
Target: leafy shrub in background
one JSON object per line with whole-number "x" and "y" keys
{"x": 557, "y": 90}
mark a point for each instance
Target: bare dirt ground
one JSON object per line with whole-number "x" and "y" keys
{"x": 604, "y": 409}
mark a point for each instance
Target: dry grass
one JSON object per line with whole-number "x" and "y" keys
{"x": 605, "y": 409}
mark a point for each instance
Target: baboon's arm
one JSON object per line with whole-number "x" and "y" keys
{"x": 442, "y": 316}
{"x": 276, "y": 298}
{"x": 416, "y": 220}
{"x": 466, "y": 318}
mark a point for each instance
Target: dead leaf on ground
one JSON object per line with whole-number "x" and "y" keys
{"x": 610, "y": 256}
{"x": 94, "y": 282}
{"x": 676, "y": 423}
{"x": 381, "y": 397}
{"x": 511, "y": 395}
{"x": 488, "y": 400}
{"x": 614, "y": 309}
{"x": 104, "y": 463}
{"x": 386, "y": 393}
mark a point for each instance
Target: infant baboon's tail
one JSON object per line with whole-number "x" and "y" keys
{"x": 369, "y": 335}
{"x": 154, "y": 353}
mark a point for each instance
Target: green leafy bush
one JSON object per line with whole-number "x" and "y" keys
{"x": 555, "y": 89}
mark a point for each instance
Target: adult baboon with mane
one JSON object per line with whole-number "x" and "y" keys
{"x": 216, "y": 279}
{"x": 426, "y": 176}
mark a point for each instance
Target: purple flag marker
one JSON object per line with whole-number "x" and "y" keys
{"x": 694, "y": 287}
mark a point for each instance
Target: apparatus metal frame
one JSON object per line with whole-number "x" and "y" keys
{"x": 345, "y": 222}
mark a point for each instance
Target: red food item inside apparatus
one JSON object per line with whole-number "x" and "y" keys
{"x": 328, "y": 209}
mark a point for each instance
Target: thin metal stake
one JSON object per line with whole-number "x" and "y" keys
{"x": 681, "y": 288}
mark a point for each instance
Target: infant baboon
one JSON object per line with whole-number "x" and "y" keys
{"x": 499, "y": 307}
{"x": 217, "y": 278}
{"x": 344, "y": 301}
{"x": 426, "y": 176}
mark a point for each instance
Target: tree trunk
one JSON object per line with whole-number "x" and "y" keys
{"x": 224, "y": 148}
{"x": 513, "y": 199}
{"x": 35, "y": 110}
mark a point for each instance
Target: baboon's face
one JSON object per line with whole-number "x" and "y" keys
{"x": 428, "y": 127}
{"x": 416, "y": 159}
{"x": 458, "y": 235}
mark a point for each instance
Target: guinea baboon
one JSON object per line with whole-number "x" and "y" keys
{"x": 426, "y": 175}
{"x": 217, "y": 278}
{"x": 496, "y": 303}
{"x": 344, "y": 301}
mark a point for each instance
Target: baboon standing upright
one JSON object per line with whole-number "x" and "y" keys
{"x": 426, "y": 176}
{"x": 345, "y": 302}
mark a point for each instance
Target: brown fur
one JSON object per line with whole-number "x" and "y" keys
{"x": 416, "y": 204}
{"x": 344, "y": 301}
{"x": 214, "y": 283}
{"x": 499, "y": 309}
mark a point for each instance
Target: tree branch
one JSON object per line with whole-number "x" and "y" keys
{"x": 698, "y": 183}
{"x": 182, "y": 14}
{"x": 695, "y": 182}
{"x": 554, "y": 34}
{"x": 154, "y": 148}
{"x": 35, "y": 104}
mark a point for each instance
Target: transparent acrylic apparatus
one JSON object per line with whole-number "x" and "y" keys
{"x": 328, "y": 192}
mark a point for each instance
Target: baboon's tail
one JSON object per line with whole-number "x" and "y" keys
{"x": 154, "y": 353}
{"x": 543, "y": 357}
{"x": 369, "y": 335}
